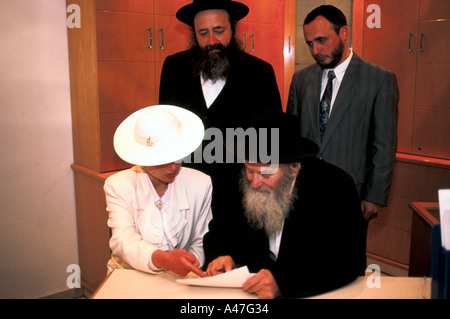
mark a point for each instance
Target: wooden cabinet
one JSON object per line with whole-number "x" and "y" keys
{"x": 411, "y": 41}
{"x": 392, "y": 236}
{"x": 116, "y": 58}
{"x": 268, "y": 32}
{"x": 390, "y": 46}
{"x": 262, "y": 32}
{"x": 132, "y": 43}
{"x": 424, "y": 216}
{"x": 431, "y": 127}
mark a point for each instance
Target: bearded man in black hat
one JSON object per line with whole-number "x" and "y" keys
{"x": 300, "y": 229}
{"x": 215, "y": 78}
{"x": 219, "y": 82}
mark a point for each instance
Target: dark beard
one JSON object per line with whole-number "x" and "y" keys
{"x": 213, "y": 65}
{"x": 336, "y": 55}
{"x": 266, "y": 208}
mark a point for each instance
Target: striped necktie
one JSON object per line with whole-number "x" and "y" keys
{"x": 325, "y": 103}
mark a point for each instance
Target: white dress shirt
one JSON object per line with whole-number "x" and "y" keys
{"x": 275, "y": 240}
{"x": 339, "y": 71}
{"x": 211, "y": 90}
{"x": 274, "y": 244}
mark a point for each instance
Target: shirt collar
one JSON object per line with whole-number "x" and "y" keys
{"x": 339, "y": 70}
{"x": 165, "y": 199}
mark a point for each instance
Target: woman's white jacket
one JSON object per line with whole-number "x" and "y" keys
{"x": 137, "y": 226}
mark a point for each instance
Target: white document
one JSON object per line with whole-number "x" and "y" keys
{"x": 232, "y": 279}
{"x": 444, "y": 214}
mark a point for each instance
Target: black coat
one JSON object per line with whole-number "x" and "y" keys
{"x": 323, "y": 241}
{"x": 250, "y": 87}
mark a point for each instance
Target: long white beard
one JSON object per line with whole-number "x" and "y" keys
{"x": 266, "y": 207}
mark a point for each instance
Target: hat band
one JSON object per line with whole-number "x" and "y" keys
{"x": 155, "y": 140}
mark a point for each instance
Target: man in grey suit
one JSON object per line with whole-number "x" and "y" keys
{"x": 359, "y": 108}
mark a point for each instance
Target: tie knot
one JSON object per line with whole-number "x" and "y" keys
{"x": 331, "y": 75}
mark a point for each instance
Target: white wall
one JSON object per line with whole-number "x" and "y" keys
{"x": 37, "y": 206}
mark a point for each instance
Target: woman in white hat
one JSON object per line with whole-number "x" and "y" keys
{"x": 158, "y": 210}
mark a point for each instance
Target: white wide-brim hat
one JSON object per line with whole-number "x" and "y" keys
{"x": 157, "y": 135}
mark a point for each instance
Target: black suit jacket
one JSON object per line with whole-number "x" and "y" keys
{"x": 250, "y": 87}
{"x": 323, "y": 242}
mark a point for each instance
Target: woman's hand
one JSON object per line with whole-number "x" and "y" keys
{"x": 179, "y": 261}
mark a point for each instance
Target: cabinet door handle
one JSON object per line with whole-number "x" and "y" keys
{"x": 244, "y": 35}
{"x": 162, "y": 39}
{"x": 409, "y": 42}
{"x": 150, "y": 46}
{"x": 253, "y": 43}
{"x": 421, "y": 42}
{"x": 289, "y": 48}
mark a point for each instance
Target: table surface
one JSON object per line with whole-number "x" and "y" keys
{"x": 133, "y": 284}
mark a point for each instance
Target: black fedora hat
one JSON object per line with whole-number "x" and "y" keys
{"x": 286, "y": 140}
{"x": 236, "y": 10}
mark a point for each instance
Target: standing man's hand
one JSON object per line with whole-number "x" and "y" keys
{"x": 370, "y": 210}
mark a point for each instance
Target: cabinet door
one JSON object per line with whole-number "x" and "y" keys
{"x": 434, "y": 10}
{"x": 266, "y": 12}
{"x": 109, "y": 122}
{"x": 169, "y": 7}
{"x": 142, "y": 6}
{"x": 125, "y": 86}
{"x": 432, "y": 132}
{"x": 171, "y": 36}
{"x": 242, "y": 35}
{"x": 242, "y": 28}
{"x": 126, "y": 73}
{"x": 262, "y": 34}
{"x": 434, "y": 47}
{"x": 394, "y": 46}
{"x": 432, "y": 94}
{"x": 267, "y": 42}
{"x": 265, "y": 30}
{"x": 123, "y": 36}
{"x": 395, "y": 41}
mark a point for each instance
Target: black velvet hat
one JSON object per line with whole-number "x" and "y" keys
{"x": 236, "y": 10}
{"x": 287, "y": 140}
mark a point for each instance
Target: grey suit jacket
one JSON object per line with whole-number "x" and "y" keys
{"x": 361, "y": 136}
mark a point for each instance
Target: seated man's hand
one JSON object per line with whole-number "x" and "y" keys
{"x": 179, "y": 261}
{"x": 220, "y": 265}
{"x": 263, "y": 285}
